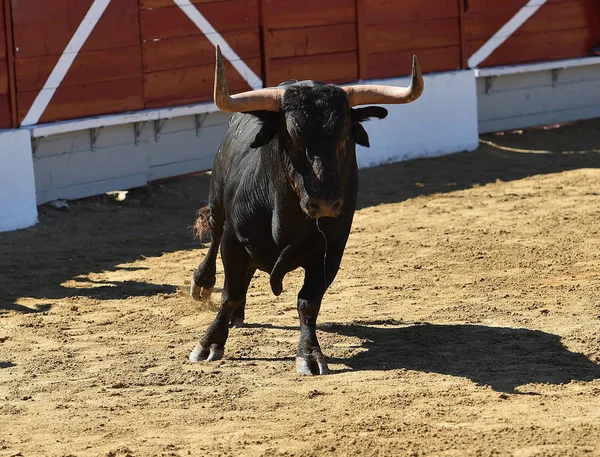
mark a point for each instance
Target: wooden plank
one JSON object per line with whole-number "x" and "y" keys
{"x": 112, "y": 31}
{"x": 486, "y": 5}
{"x": 190, "y": 85}
{"x": 46, "y": 33}
{"x": 563, "y": 16}
{"x": 482, "y": 25}
{"x": 88, "y": 67}
{"x": 6, "y": 7}
{"x": 33, "y": 12}
{"x": 264, "y": 43}
{"x": 71, "y": 102}
{"x": 413, "y": 35}
{"x": 361, "y": 35}
{"x": 5, "y": 119}
{"x": 192, "y": 51}
{"x": 395, "y": 12}
{"x": 462, "y": 5}
{"x": 308, "y": 41}
{"x": 551, "y": 45}
{"x": 2, "y": 40}
{"x": 171, "y": 22}
{"x": 399, "y": 63}
{"x": 330, "y": 68}
{"x": 149, "y": 4}
{"x": 560, "y": 16}
{"x": 71, "y": 11}
{"x": 284, "y": 14}
{"x": 3, "y": 77}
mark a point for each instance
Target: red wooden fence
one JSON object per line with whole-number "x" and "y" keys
{"x": 560, "y": 29}
{"x": 106, "y": 75}
{"x": 394, "y": 31}
{"x": 310, "y": 39}
{"x": 148, "y": 53}
{"x": 179, "y": 61}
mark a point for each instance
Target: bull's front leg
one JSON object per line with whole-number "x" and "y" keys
{"x": 309, "y": 359}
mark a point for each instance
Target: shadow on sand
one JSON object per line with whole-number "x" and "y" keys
{"x": 500, "y": 357}
{"x": 98, "y": 234}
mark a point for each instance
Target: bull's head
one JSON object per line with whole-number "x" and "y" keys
{"x": 316, "y": 128}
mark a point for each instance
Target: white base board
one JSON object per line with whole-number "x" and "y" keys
{"x": 17, "y": 189}
{"x": 67, "y": 166}
{"x": 442, "y": 121}
{"x": 541, "y": 97}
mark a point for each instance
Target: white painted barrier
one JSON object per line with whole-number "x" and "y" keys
{"x": 442, "y": 121}
{"x": 17, "y": 188}
{"x": 84, "y": 157}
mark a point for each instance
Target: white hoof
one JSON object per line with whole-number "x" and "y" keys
{"x": 200, "y": 293}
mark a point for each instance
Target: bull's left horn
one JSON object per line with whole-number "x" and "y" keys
{"x": 374, "y": 94}
{"x": 257, "y": 100}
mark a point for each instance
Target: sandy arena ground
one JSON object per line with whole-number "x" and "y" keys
{"x": 465, "y": 321}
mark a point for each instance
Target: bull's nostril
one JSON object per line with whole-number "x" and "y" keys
{"x": 337, "y": 205}
{"x": 313, "y": 205}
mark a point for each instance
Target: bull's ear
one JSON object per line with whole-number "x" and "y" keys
{"x": 359, "y": 135}
{"x": 366, "y": 113}
{"x": 267, "y": 130}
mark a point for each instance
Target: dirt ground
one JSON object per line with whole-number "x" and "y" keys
{"x": 465, "y": 321}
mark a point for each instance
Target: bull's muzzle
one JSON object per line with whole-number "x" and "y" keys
{"x": 324, "y": 206}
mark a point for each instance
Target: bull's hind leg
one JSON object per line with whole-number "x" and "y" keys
{"x": 238, "y": 272}
{"x": 205, "y": 275}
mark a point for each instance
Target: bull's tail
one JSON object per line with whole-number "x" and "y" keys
{"x": 202, "y": 224}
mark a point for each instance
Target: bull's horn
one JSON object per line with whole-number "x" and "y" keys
{"x": 374, "y": 94}
{"x": 257, "y": 100}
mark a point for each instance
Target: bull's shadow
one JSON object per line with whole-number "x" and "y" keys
{"x": 506, "y": 157}
{"x": 500, "y": 357}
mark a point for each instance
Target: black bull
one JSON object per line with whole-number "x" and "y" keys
{"x": 282, "y": 195}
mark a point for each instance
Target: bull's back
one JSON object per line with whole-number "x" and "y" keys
{"x": 242, "y": 130}
{"x": 234, "y": 150}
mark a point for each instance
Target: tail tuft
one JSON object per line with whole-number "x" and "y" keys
{"x": 202, "y": 224}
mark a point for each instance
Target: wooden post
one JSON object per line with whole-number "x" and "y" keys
{"x": 361, "y": 31}
{"x": 462, "y": 6}
{"x": 10, "y": 59}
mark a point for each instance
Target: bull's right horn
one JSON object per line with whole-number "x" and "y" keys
{"x": 256, "y": 100}
{"x": 373, "y": 94}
